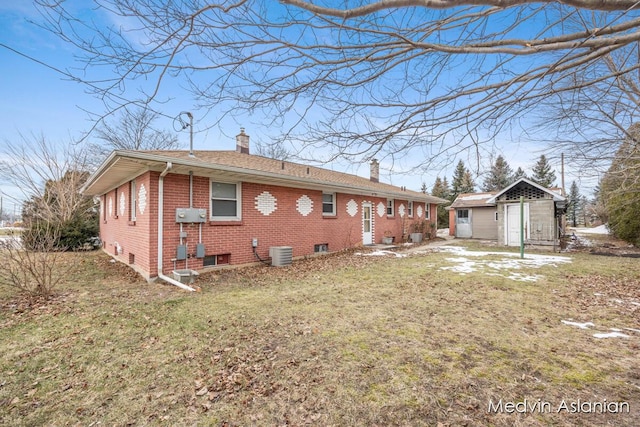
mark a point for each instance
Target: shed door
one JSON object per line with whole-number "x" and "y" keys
{"x": 367, "y": 229}
{"x": 463, "y": 223}
{"x": 512, "y": 227}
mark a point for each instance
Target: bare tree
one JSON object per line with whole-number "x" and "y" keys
{"x": 370, "y": 79}
{"x": 49, "y": 178}
{"x": 49, "y": 173}
{"x": 590, "y": 123}
{"x": 37, "y": 271}
{"x": 133, "y": 130}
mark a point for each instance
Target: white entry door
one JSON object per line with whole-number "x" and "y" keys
{"x": 463, "y": 224}
{"x": 512, "y": 226}
{"x": 367, "y": 229}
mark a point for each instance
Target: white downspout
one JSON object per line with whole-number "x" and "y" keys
{"x": 161, "y": 229}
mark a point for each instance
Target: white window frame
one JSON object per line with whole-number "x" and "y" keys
{"x": 391, "y": 206}
{"x": 410, "y": 208}
{"x": 238, "y": 201}
{"x": 133, "y": 199}
{"x": 427, "y": 211}
{"x": 467, "y": 217}
{"x": 333, "y": 204}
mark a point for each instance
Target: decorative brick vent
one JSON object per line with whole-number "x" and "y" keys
{"x": 142, "y": 199}
{"x": 266, "y": 204}
{"x": 304, "y": 205}
{"x": 523, "y": 189}
{"x": 352, "y": 207}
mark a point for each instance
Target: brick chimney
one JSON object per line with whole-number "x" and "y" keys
{"x": 374, "y": 175}
{"x": 242, "y": 142}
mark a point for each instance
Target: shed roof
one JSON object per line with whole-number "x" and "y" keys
{"x": 124, "y": 165}
{"x": 471, "y": 200}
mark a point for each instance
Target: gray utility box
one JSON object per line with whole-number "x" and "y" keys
{"x": 281, "y": 255}
{"x": 181, "y": 253}
{"x": 191, "y": 215}
{"x": 200, "y": 250}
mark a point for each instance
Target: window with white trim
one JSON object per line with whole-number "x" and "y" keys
{"x": 463, "y": 216}
{"x": 133, "y": 205}
{"x": 390, "y": 207}
{"x": 225, "y": 201}
{"x": 328, "y": 204}
{"x": 427, "y": 211}
{"x": 410, "y": 209}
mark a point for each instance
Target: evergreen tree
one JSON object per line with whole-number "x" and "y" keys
{"x": 619, "y": 189}
{"x": 574, "y": 206}
{"x": 441, "y": 189}
{"x": 499, "y": 176}
{"x": 468, "y": 186}
{"x": 542, "y": 173}
{"x": 462, "y": 181}
{"x": 519, "y": 174}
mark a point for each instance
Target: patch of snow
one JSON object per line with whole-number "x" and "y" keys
{"x": 598, "y": 294}
{"x": 611, "y": 335}
{"x": 635, "y": 303}
{"x": 464, "y": 265}
{"x": 579, "y": 325}
{"x": 619, "y": 301}
{"x": 537, "y": 259}
{"x": 519, "y": 277}
{"x": 382, "y": 253}
{"x": 633, "y": 330}
{"x": 442, "y": 232}
{"x": 601, "y": 229}
{"x": 497, "y": 267}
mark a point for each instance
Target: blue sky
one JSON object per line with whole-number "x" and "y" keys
{"x": 37, "y": 100}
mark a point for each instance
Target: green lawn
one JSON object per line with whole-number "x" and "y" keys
{"x": 337, "y": 340}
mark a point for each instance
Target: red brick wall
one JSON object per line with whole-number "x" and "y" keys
{"x": 132, "y": 237}
{"x": 452, "y": 222}
{"x": 283, "y": 227}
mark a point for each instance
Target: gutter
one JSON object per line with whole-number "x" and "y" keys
{"x": 161, "y": 231}
{"x": 303, "y": 182}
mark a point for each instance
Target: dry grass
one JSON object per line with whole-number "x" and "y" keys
{"x": 341, "y": 340}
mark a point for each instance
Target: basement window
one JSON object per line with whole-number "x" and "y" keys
{"x": 213, "y": 260}
{"x": 321, "y": 247}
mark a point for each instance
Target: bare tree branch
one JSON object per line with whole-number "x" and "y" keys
{"x": 373, "y": 79}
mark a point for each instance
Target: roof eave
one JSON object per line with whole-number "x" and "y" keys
{"x": 117, "y": 155}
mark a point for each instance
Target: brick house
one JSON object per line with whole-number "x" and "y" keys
{"x": 230, "y": 207}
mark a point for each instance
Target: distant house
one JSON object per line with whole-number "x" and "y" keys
{"x": 496, "y": 216}
{"x": 163, "y": 211}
